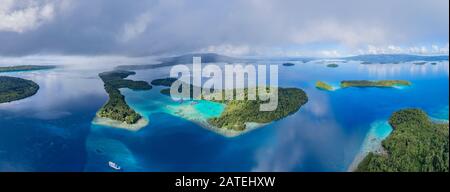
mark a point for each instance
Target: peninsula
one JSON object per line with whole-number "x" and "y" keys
{"x": 116, "y": 112}
{"x": 13, "y": 89}
{"x": 415, "y": 145}
{"x": 25, "y": 68}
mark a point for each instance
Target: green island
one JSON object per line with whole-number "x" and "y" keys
{"x": 333, "y": 65}
{"x": 166, "y": 82}
{"x": 381, "y": 83}
{"x": 13, "y": 89}
{"x": 324, "y": 86}
{"x": 415, "y": 145}
{"x": 25, "y": 68}
{"x": 363, "y": 83}
{"x": 420, "y": 63}
{"x": 116, "y": 112}
{"x": 238, "y": 113}
{"x": 433, "y": 63}
{"x": 288, "y": 64}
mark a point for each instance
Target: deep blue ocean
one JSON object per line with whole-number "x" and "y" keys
{"x": 52, "y": 130}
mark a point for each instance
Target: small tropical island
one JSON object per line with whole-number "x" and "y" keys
{"x": 333, "y": 65}
{"x": 26, "y": 68}
{"x": 240, "y": 116}
{"x": 13, "y": 89}
{"x": 116, "y": 112}
{"x": 415, "y": 145}
{"x": 364, "y": 83}
{"x": 381, "y": 83}
{"x": 420, "y": 63}
{"x": 166, "y": 82}
{"x": 288, "y": 64}
{"x": 324, "y": 86}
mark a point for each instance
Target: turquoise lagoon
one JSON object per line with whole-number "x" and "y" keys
{"x": 52, "y": 131}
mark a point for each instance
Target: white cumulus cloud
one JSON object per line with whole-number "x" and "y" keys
{"x": 135, "y": 28}
{"x": 24, "y": 15}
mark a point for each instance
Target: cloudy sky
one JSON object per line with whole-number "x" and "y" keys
{"x": 233, "y": 27}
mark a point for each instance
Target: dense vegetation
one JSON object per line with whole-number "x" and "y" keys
{"x": 382, "y": 83}
{"x": 166, "y": 82}
{"x": 25, "y": 68}
{"x": 324, "y": 86}
{"x": 116, "y": 108}
{"x": 13, "y": 88}
{"x": 288, "y": 64}
{"x": 333, "y": 65}
{"x": 237, "y": 112}
{"x": 415, "y": 145}
{"x": 420, "y": 63}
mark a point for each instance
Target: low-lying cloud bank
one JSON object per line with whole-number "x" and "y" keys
{"x": 235, "y": 27}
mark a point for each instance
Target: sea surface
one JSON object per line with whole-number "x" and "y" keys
{"x": 52, "y": 131}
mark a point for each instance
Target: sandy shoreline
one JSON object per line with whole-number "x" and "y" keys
{"x": 229, "y": 132}
{"x": 120, "y": 125}
{"x": 372, "y": 143}
{"x": 189, "y": 113}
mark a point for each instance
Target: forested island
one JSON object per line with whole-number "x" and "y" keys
{"x": 364, "y": 83}
{"x": 415, "y": 145}
{"x": 420, "y": 63}
{"x": 26, "y": 68}
{"x": 381, "y": 83}
{"x": 116, "y": 108}
{"x": 238, "y": 113}
{"x": 288, "y": 64}
{"x": 324, "y": 86}
{"x": 166, "y": 82}
{"x": 333, "y": 65}
{"x": 13, "y": 89}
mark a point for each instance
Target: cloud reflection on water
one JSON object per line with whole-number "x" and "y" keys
{"x": 312, "y": 129}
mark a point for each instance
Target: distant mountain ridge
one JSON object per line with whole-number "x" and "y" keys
{"x": 184, "y": 59}
{"x": 391, "y": 58}
{"x": 206, "y": 58}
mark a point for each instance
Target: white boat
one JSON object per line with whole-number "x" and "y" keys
{"x": 114, "y": 165}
